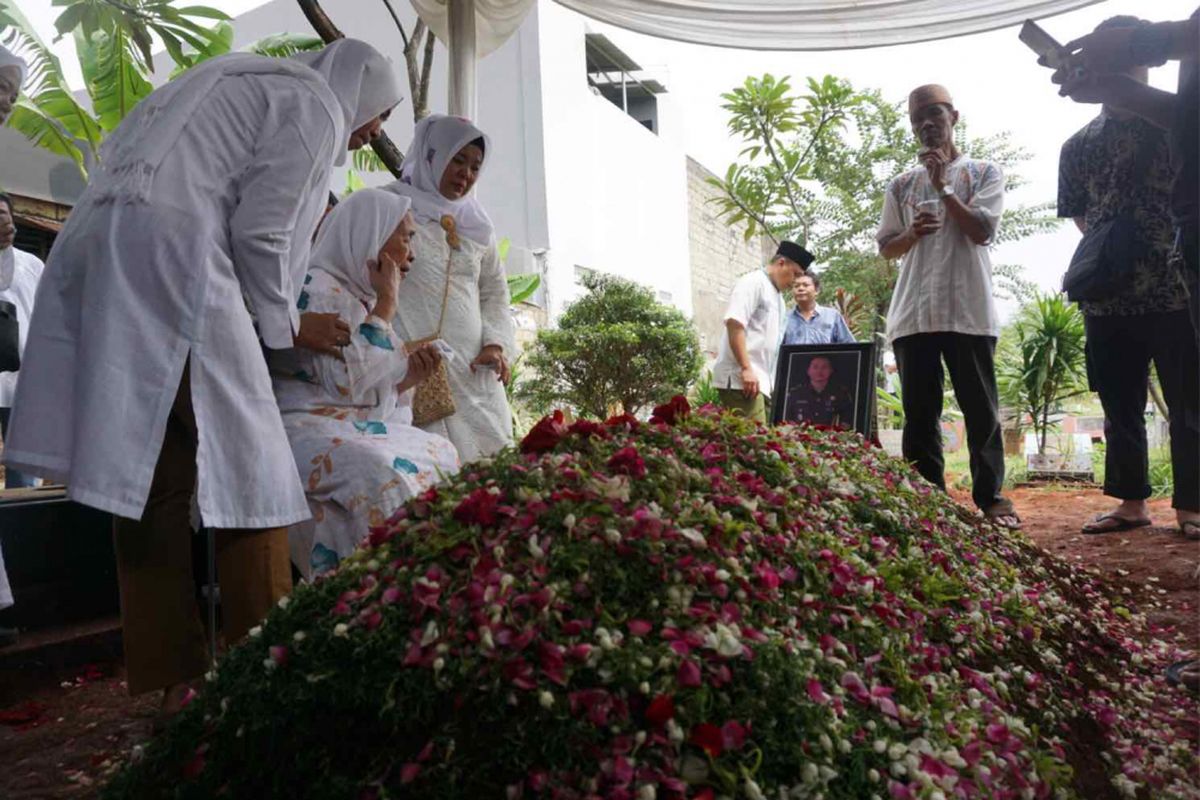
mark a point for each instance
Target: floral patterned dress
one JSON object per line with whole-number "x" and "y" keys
{"x": 351, "y": 432}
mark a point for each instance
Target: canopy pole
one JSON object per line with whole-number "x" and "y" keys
{"x": 463, "y": 94}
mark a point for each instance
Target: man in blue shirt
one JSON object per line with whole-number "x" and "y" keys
{"x": 809, "y": 323}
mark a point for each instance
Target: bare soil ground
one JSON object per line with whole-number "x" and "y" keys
{"x": 62, "y": 733}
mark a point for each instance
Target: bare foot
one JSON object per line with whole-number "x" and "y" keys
{"x": 1128, "y": 515}
{"x": 1189, "y": 523}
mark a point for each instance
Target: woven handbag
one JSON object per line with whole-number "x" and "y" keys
{"x": 433, "y": 399}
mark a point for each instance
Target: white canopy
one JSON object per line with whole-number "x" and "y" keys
{"x": 767, "y": 24}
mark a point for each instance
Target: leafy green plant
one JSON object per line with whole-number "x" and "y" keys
{"x": 617, "y": 347}
{"x": 703, "y": 392}
{"x": 1042, "y": 362}
{"x": 522, "y": 287}
{"x": 1162, "y": 474}
{"x": 114, "y": 43}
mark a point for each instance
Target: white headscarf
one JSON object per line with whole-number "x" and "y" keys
{"x": 133, "y": 152}
{"x": 353, "y": 234}
{"x": 361, "y": 78}
{"x": 436, "y": 140}
{"x": 9, "y": 59}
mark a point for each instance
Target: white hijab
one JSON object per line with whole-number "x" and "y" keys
{"x": 8, "y": 261}
{"x": 361, "y": 78}
{"x": 353, "y": 234}
{"x": 436, "y": 140}
{"x": 350, "y": 77}
{"x": 9, "y": 59}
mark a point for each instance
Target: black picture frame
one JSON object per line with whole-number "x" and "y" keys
{"x": 850, "y": 388}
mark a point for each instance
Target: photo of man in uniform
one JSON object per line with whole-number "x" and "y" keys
{"x": 821, "y": 398}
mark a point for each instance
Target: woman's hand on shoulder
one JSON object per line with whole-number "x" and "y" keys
{"x": 422, "y": 362}
{"x": 326, "y": 334}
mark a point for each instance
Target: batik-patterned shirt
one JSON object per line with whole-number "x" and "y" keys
{"x": 1100, "y": 174}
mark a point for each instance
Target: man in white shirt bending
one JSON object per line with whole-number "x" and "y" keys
{"x": 939, "y": 219}
{"x": 745, "y": 368}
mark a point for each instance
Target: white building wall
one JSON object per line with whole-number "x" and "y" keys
{"x": 616, "y": 194}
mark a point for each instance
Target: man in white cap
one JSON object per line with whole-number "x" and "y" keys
{"x": 940, "y": 218}
{"x": 12, "y": 76}
{"x": 744, "y": 372}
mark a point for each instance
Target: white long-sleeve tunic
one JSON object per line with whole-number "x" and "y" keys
{"x": 133, "y": 292}
{"x": 477, "y": 314}
{"x": 27, "y": 272}
{"x": 351, "y": 431}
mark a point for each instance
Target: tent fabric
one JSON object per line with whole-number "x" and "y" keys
{"x": 769, "y": 24}
{"x": 495, "y": 20}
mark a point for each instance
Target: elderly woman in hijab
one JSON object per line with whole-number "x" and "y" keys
{"x": 349, "y": 419}
{"x": 457, "y": 286}
{"x": 145, "y": 383}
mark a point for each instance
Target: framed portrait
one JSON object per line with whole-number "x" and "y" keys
{"x": 826, "y": 384}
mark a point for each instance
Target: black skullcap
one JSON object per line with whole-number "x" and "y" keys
{"x": 794, "y": 252}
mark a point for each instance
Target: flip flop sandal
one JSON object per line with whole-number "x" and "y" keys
{"x": 1190, "y": 530}
{"x": 1123, "y": 524}
{"x": 1175, "y": 675}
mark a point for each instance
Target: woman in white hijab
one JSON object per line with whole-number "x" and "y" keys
{"x": 457, "y": 258}
{"x": 349, "y": 419}
{"x": 145, "y": 383}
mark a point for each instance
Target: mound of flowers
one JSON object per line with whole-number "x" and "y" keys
{"x": 694, "y": 607}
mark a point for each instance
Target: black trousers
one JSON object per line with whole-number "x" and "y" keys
{"x": 1119, "y": 352}
{"x": 1187, "y": 245}
{"x": 973, "y": 375}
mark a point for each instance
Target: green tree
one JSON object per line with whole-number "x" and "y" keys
{"x": 815, "y": 168}
{"x": 113, "y": 41}
{"x": 1041, "y": 363}
{"x": 615, "y": 347}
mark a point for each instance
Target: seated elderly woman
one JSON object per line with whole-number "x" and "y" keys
{"x": 349, "y": 418}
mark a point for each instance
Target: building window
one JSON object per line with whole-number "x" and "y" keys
{"x": 619, "y": 79}
{"x": 666, "y": 297}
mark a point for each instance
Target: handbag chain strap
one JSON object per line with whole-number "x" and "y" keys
{"x": 445, "y": 295}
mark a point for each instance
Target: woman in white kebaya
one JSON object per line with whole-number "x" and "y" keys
{"x": 455, "y": 242}
{"x": 349, "y": 419}
{"x": 144, "y": 382}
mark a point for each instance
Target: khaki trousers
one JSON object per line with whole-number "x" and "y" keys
{"x": 753, "y": 409}
{"x": 160, "y": 616}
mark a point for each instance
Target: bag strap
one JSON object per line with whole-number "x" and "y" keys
{"x": 445, "y": 295}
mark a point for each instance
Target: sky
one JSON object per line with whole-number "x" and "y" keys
{"x": 994, "y": 79}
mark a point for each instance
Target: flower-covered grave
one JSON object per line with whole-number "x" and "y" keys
{"x": 694, "y": 607}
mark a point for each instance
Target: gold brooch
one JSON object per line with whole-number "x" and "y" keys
{"x": 451, "y": 229}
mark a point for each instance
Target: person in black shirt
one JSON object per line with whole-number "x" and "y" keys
{"x": 1120, "y": 164}
{"x": 1094, "y": 74}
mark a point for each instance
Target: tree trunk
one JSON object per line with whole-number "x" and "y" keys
{"x": 387, "y": 151}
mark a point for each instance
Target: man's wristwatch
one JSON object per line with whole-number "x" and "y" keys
{"x": 947, "y": 191}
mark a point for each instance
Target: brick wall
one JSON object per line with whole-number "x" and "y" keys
{"x": 719, "y": 255}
